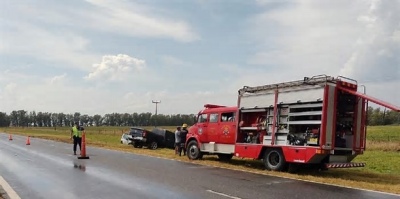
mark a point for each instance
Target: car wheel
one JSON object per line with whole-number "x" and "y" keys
{"x": 274, "y": 160}
{"x": 193, "y": 151}
{"x": 153, "y": 145}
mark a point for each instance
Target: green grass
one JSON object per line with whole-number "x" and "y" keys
{"x": 385, "y": 162}
{"x": 383, "y": 138}
{"x": 383, "y": 133}
{"x": 382, "y": 158}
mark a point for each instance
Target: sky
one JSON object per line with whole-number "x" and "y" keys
{"x": 116, "y": 56}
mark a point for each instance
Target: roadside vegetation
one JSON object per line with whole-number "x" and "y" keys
{"x": 382, "y": 158}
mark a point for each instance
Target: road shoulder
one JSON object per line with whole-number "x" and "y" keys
{"x": 6, "y": 191}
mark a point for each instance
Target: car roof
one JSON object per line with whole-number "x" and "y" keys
{"x": 137, "y": 128}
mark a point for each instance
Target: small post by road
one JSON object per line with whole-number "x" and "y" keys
{"x": 155, "y": 119}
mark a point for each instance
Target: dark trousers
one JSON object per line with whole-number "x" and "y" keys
{"x": 77, "y": 141}
{"x": 181, "y": 149}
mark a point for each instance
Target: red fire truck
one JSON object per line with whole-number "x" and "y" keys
{"x": 319, "y": 120}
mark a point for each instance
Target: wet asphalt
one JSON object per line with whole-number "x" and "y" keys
{"x": 47, "y": 169}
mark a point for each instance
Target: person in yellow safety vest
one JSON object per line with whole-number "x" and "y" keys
{"x": 76, "y": 134}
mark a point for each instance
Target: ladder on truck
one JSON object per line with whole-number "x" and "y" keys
{"x": 315, "y": 80}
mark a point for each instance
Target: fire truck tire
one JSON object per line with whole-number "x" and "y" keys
{"x": 274, "y": 160}
{"x": 193, "y": 151}
{"x": 225, "y": 157}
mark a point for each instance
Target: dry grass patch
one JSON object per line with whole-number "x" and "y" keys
{"x": 383, "y": 146}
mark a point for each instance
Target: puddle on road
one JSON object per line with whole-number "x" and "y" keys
{"x": 80, "y": 167}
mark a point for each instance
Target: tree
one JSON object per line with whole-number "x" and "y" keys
{"x": 61, "y": 119}
{"x": 14, "y": 118}
{"x": 4, "y": 120}
{"x": 97, "y": 120}
{"x": 76, "y": 117}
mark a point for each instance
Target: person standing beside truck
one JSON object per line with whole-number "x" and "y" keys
{"x": 177, "y": 139}
{"x": 76, "y": 135}
{"x": 183, "y": 134}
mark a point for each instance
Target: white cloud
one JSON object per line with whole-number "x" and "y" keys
{"x": 9, "y": 88}
{"x": 58, "y": 34}
{"x": 306, "y": 38}
{"x": 289, "y": 40}
{"x": 173, "y": 61}
{"x": 136, "y": 20}
{"x": 58, "y": 78}
{"x": 116, "y": 68}
{"x": 28, "y": 40}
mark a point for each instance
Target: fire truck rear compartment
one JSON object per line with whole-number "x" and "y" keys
{"x": 345, "y": 115}
{"x": 344, "y": 131}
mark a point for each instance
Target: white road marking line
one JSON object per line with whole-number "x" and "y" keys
{"x": 205, "y": 167}
{"x": 222, "y": 194}
{"x": 10, "y": 191}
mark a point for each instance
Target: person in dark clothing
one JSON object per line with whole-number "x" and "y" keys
{"x": 183, "y": 134}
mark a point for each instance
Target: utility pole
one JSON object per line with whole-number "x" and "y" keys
{"x": 155, "y": 119}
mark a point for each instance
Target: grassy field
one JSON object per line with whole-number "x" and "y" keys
{"x": 382, "y": 172}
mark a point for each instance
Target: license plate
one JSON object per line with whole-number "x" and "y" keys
{"x": 315, "y": 140}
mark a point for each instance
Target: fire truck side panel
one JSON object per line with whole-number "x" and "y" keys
{"x": 248, "y": 151}
{"x": 363, "y": 125}
{"x": 200, "y": 128}
{"x": 212, "y": 127}
{"x": 286, "y": 96}
{"x": 295, "y": 154}
{"x": 227, "y": 132}
{"x": 307, "y": 93}
{"x": 250, "y": 101}
{"x": 328, "y": 117}
{"x": 213, "y": 147}
{"x": 312, "y": 155}
{"x": 358, "y": 124}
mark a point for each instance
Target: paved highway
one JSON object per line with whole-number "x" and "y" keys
{"x": 47, "y": 169}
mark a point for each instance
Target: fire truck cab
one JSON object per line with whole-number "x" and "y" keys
{"x": 319, "y": 120}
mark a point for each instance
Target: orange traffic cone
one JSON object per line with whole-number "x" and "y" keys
{"x": 83, "y": 144}
{"x": 10, "y": 137}
{"x": 28, "y": 141}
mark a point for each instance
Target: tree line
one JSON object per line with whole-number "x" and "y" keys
{"x": 376, "y": 116}
{"x": 22, "y": 118}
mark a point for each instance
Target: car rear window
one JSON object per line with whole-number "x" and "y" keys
{"x": 136, "y": 132}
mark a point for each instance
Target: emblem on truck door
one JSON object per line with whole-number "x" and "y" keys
{"x": 200, "y": 131}
{"x": 225, "y": 129}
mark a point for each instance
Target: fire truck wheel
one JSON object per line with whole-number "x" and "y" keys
{"x": 274, "y": 160}
{"x": 193, "y": 151}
